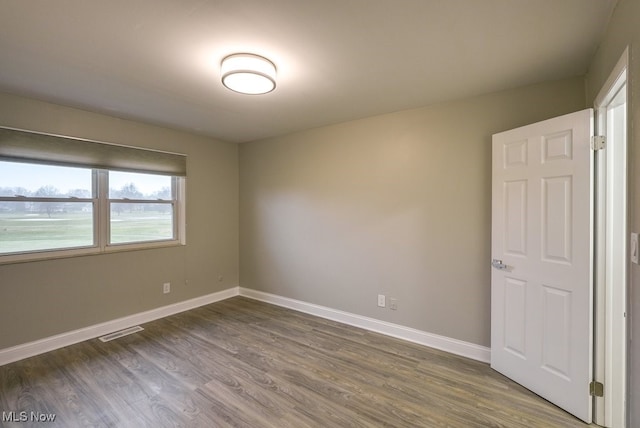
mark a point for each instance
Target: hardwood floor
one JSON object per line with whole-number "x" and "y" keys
{"x": 243, "y": 363}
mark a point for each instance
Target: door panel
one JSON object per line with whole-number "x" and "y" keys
{"x": 557, "y": 219}
{"x": 541, "y": 332}
{"x": 515, "y": 299}
{"x": 557, "y": 332}
{"x": 515, "y": 217}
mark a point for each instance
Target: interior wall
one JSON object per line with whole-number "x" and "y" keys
{"x": 623, "y": 30}
{"x": 44, "y": 298}
{"x": 398, "y": 204}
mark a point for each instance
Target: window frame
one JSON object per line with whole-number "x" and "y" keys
{"x": 178, "y": 210}
{"x": 59, "y": 252}
{"x": 101, "y": 213}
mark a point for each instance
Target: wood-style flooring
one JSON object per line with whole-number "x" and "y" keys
{"x": 244, "y": 363}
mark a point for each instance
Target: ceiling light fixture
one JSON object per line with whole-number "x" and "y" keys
{"x": 248, "y": 74}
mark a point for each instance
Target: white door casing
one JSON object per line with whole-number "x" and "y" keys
{"x": 541, "y": 282}
{"x": 611, "y": 265}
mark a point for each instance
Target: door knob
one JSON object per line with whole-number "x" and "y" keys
{"x": 498, "y": 264}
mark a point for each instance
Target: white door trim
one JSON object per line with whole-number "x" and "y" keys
{"x": 611, "y": 261}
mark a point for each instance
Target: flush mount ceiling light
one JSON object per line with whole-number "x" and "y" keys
{"x": 248, "y": 74}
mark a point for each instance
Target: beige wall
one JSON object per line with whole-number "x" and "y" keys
{"x": 623, "y": 31}
{"x": 40, "y": 299}
{"x": 398, "y": 204}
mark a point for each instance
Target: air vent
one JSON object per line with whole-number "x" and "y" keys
{"x": 118, "y": 334}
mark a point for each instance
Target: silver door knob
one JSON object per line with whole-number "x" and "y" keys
{"x": 498, "y": 264}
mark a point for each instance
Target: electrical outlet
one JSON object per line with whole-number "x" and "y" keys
{"x": 166, "y": 287}
{"x": 393, "y": 304}
{"x": 382, "y": 300}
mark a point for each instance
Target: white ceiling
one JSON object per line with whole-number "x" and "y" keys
{"x": 159, "y": 60}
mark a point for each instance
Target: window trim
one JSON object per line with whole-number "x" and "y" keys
{"x": 177, "y": 204}
{"x": 101, "y": 222}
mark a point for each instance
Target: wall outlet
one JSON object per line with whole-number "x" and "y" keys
{"x": 393, "y": 304}
{"x": 166, "y": 287}
{"x": 382, "y": 300}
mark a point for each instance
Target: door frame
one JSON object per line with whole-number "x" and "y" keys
{"x": 610, "y": 323}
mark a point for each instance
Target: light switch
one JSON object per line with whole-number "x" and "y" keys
{"x": 633, "y": 248}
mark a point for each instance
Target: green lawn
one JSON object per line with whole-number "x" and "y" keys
{"x": 33, "y": 232}
{"x": 140, "y": 226}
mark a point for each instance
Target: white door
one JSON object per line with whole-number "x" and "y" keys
{"x": 541, "y": 281}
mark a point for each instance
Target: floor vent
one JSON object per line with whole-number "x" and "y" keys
{"x": 117, "y": 334}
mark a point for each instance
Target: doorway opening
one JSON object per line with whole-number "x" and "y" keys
{"x": 611, "y": 261}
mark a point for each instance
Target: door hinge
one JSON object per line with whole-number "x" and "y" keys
{"x": 598, "y": 142}
{"x": 596, "y": 389}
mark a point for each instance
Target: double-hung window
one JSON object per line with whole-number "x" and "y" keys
{"x": 62, "y": 197}
{"x": 142, "y": 207}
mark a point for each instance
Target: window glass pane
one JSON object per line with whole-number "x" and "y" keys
{"x": 33, "y": 180}
{"x": 141, "y": 222}
{"x": 132, "y": 185}
{"x": 32, "y": 226}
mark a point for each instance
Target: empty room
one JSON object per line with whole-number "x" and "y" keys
{"x": 411, "y": 213}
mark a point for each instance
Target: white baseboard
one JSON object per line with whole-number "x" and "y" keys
{"x": 26, "y": 350}
{"x": 454, "y": 346}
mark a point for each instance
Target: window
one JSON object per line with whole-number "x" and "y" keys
{"x": 50, "y": 208}
{"x": 45, "y": 207}
{"x": 141, "y": 207}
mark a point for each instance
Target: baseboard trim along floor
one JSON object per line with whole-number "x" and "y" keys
{"x": 443, "y": 343}
{"x": 454, "y": 346}
{"x": 47, "y": 344}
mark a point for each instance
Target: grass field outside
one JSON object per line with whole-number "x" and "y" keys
{"x": 24, "y": 232}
